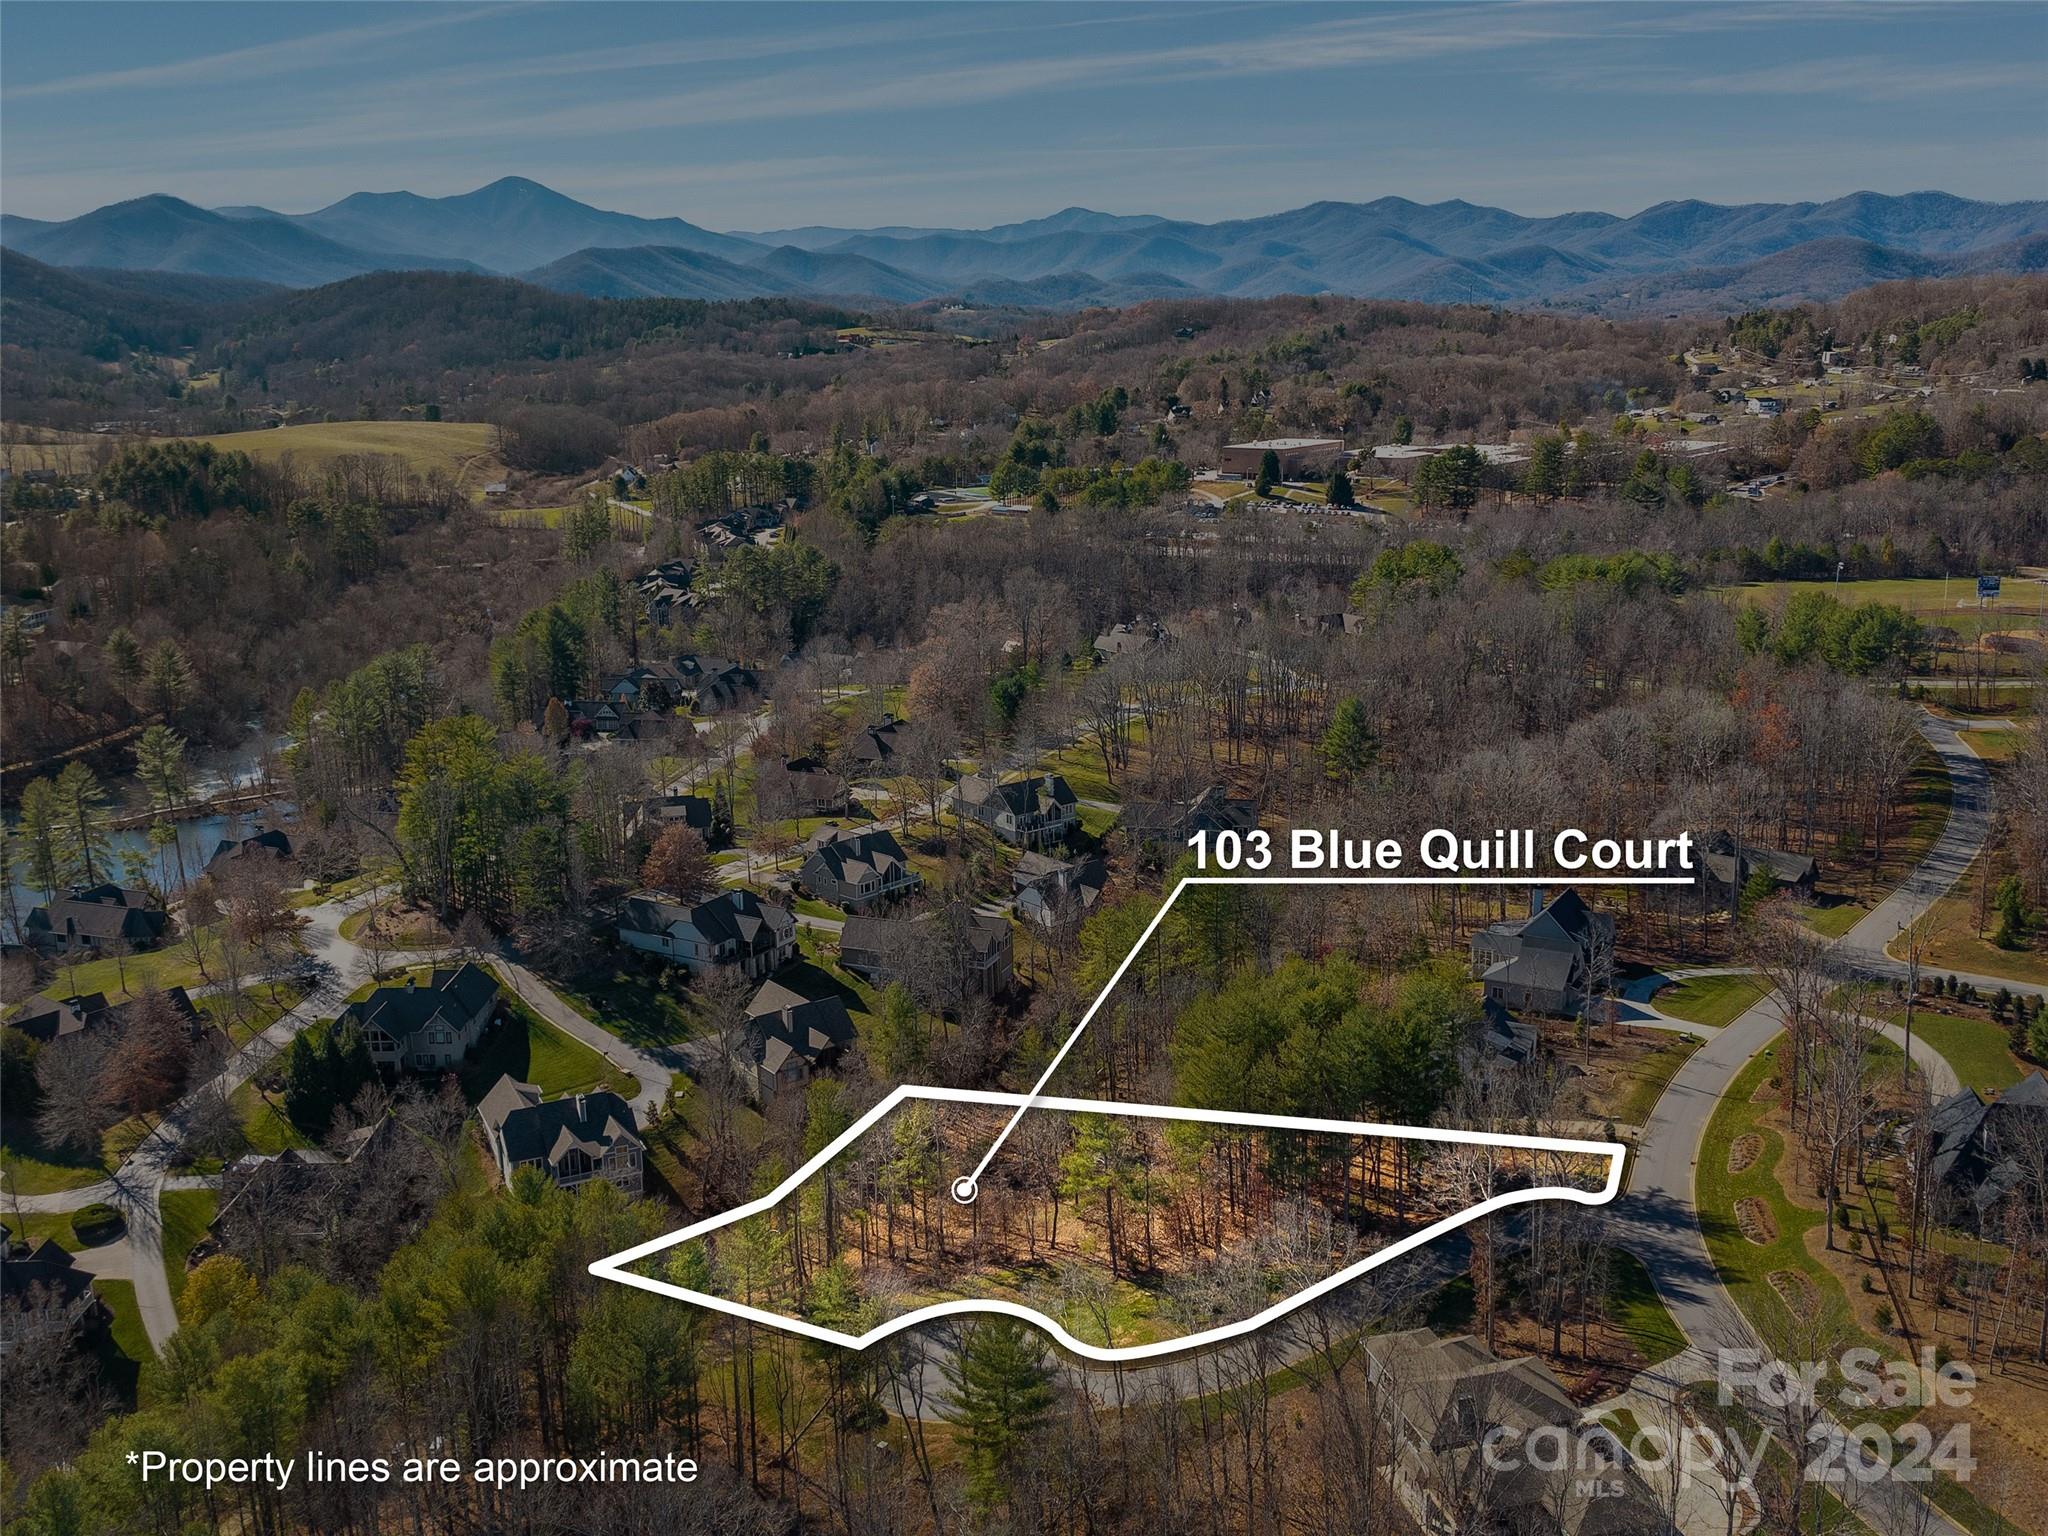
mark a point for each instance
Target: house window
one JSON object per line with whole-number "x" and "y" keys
{"x": 574, "y": 1165}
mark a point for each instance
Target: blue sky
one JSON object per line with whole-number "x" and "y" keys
{"x": 761, "y": 116}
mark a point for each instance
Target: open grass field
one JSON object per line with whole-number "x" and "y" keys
{"x": 462, "y": 448}
{"x": 1712, "y": 1000}
{"x": 1976, "y": 1047}
{"x": 1950, "y": 603}
{"x": 1952, "y": 942}
{"x": 534, "y": 1051}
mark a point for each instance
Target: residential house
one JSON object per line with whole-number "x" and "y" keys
{"x": 1729, "y": 873}
{"x": 731, "y": 928}
{"x": 44, "y": 1019}
{"x": 95, "y": 916}
{"x": 666, "y": 592}
{"x": 271, "y": 847}
{"x": 954, "y": 953}
{"x": 790, "y": 1037}
{"x": 1978, "y": 1145}
{"x": 572, "y": 1140}
{"x": 595, "y": 717}
{"x": 1035, "y": 812}
{"x": 1129, "y": 639}
{"x": 799, "y": 786}
{"x": 674, "y": 809}
{"x": 857, "y": 867}
{"x": 875, "y": 746}
{"x": 1445, "y": 1400}
{"x": 1053, "y": 892}
{"x": 1552, "y": 961}
{"x": 278, "y": 1208}
{"x": 1168, "y": 824}
{"x": 715, "y": 685}
{"x": 642, "y": 688}
{"x": 46, "y": 1296}
{"x": 411, "y": 1027}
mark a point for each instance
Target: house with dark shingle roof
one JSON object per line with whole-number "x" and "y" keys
{"x": 656, "y": 815}
{"x": 45, "y": 1292}
{"x": 1975, "y": 1142}
{"x": 874, "y": 746}
{"x": 1543, "y": 962}
{"x": 94, "y": 916}
{"x": 1051, "y": 892}
{"x": 789, "y": 1037}
{"x": 974, "y": 952}
{"x": 715, "y": 684}
{"x": 799, "y": 786}
{"x": 1168, "y": 824}
{"x": 1035, "y": 812}
{"x": 417, "y": 1028}
{"x": 731, "y": 928}
{"x": 1445, "y": 1401}
{"x": 270, "y": 846}
{"x": 857, "y": 867}
{"x": 1730, "y": 872}
{"x": 44, "y": 1019}
{"x": 572, "y": 1140}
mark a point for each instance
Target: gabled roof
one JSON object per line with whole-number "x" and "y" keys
{"x": 532, "y": 1129}
{"x": 785, "y": 1023}
{"x": 1021, "y": 797}
{"x": 272, "y": 844}
{"x": 455, "y": 995}
{"x": 104, "y": 911}
{"x": 854, "y": 857}
{"x": 875, "y": 743}
{"x": 730, "y": 917}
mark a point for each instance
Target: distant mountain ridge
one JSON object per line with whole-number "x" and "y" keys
{"x": 1686, "y": 252}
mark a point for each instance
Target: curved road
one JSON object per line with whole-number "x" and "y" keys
{"x": 1658, "y": 1219}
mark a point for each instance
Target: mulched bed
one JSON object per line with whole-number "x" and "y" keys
{"x": 1753, "y": 1215}
{"x": 1746, "y": 1150}
{"x": 1796, "y": 1290}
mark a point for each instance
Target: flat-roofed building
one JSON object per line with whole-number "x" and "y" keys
{"x": 1299, "y": 457}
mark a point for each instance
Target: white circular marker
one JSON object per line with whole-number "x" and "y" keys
{"x": 964, "y": 1189}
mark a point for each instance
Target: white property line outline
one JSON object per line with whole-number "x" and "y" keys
{"x": 965, "y": 1188}
{"x": 614, "y": 1266}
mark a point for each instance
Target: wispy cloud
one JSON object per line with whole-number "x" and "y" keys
{"x": 317, "y": 49}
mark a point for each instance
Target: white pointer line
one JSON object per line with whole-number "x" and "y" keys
{"x": 968, "y": 1186}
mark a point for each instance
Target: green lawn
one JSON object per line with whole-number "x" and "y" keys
{"x": 264, "y": 1126}
{"x": 29, "y": 1168}
{"x": 128, "y": 1348}
{"x": 186, "y": 1213}
{"x": 123, "y": 976}
{"x": 1712, "y": 1000}
{"x": 1632, "y": 1303}
{"x": 534, "y": 1051}
{"x": 32, "y": 1227}
{"x": 1832, "y": 916}
{"x": 639, "y": 1008}
{"x": 1977, "y": 1048}
{"x": 1652, "y": 1076}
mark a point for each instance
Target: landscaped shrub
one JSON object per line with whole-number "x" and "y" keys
{"x": 96, "y": 1223}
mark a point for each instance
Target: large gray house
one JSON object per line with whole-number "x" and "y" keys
{"x": 417, "y": 1028}
{"x": 573, "y": 1139}
{"x": 1037, "y": 812}
{"x": 1552, "y": 961}
{"x": 957, "y": 952}
{"x": 790, "y": 1036}
{"x": 731, "y": 928}
{"x": 857, "y": 867}
{"x": 95, "y": 916}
